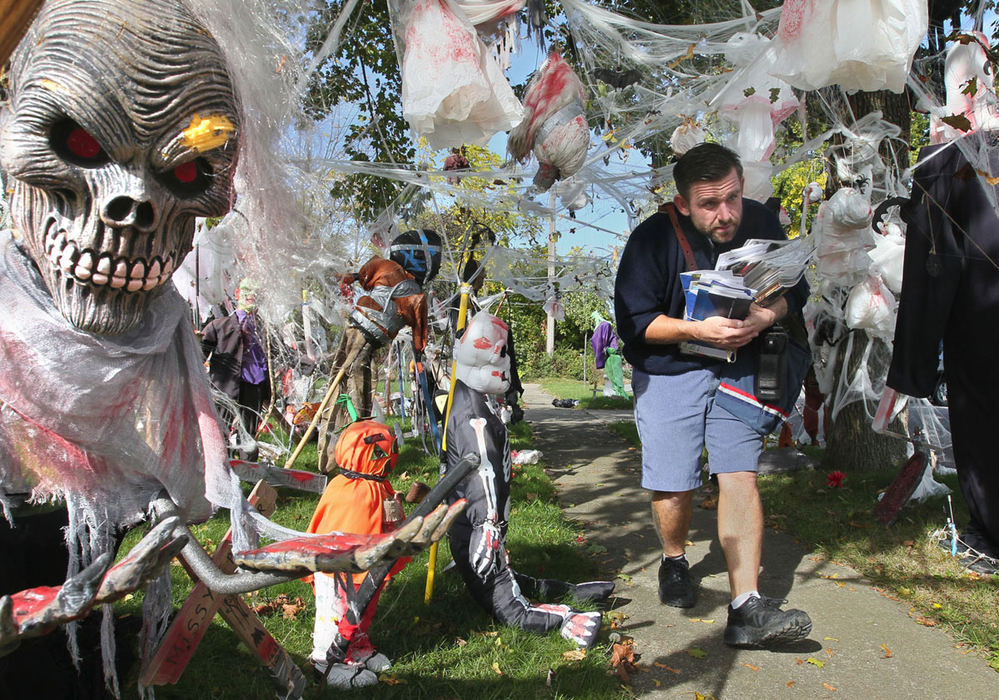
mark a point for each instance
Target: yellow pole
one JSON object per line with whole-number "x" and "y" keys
{"x": 466, "y": 290}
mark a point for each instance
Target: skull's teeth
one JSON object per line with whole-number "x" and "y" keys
{"x": 102, "y": 269}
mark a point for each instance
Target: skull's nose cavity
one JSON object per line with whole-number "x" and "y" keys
{"x": 125, "y": 211}
{"x": 144, "y": 215}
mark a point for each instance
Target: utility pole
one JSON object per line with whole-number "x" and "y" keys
{"x": 550, "y": 329}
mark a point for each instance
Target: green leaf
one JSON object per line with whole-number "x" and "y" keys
{"x": 815, "y": 662}
{"x": 696, "y": 653}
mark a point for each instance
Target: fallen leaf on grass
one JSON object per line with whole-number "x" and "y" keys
{"x": 925, "y": 621}
{"x": 886, "y": 650}
{"x": 751, "y": 667}
{"x": 460, "y": 642}
{"x": 666, "y": 668}
{"x": 815, "y": 662}
{"x": 497, "y": 669}
{"x": 289, "y": 611}
{"x": 696, "y": 653}
{"x": 828, "y": 687}
{"x": 575, "y": 655}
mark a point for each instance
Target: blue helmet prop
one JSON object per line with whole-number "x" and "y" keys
{"x": 418, "y": 251}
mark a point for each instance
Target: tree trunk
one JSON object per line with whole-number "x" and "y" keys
{"x": 852, "y": 443}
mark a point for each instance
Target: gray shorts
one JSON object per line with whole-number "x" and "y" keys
{"x": 677, "y": 418}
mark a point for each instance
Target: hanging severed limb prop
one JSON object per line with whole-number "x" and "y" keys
{"x": 38, "y": 611}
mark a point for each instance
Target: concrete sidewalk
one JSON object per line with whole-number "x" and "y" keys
{"x": 862, "y": 644}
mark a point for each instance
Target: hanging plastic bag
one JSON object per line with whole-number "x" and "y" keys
{"x": 453, "y": 89}
{"x": 888, "y": 255}
{"x": 555, "y": 123}
{"x": 872, "y": 306}
{"x": 857, "y": 44}
{"x": 754, "y": 102}
{"x": 967, "y": 65}
{"x": 843, "y": 237}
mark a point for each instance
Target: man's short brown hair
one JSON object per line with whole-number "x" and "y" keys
{"x": 705, "y": 162}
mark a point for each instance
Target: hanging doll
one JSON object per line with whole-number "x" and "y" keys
{"x": 359, "y": 500}
{"x": 393, "y": 297}
{"x": 478, "y": 536}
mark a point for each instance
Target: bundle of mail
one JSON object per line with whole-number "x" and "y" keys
{"x": 760, "y": 271}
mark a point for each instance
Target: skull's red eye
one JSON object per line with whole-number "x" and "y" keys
{"x": 186, "y": 172}
{"x": 82, "y": 144}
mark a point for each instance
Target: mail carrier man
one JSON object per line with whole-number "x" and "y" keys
{"x": 676, "y": 410}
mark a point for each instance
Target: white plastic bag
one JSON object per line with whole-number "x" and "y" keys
{"x": 453, "y": 89}
{"x": 872, "y": 306}
{"x": 753, "y": 100}
{"x": 843, "y": 237}
{"x": 525, "y": 456}
{"x": 966, "y": 63}
{"x": 889, "y": 254}
{"x": 857, "y": 44}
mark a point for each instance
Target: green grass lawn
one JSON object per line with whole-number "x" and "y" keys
{"x": 449, "y": 649}
{"x": 903, "y": 560}
{"x": 562, "y": 388}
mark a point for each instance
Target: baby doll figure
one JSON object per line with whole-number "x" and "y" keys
{"x": 359, "y": 499}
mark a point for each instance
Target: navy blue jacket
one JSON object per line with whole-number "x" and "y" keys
{"x": 648, "y": 282}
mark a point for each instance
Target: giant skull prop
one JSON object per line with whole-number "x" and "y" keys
{"x": 120, "y": 130}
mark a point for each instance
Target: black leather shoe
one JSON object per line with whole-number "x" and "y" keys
{"x": 675, "y": 586}
{"x": 759, "y": 622}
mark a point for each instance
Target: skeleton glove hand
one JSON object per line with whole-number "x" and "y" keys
{"x": 485, "y": 545}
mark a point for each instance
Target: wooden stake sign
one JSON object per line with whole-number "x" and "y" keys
{"x": 195, "y": 616}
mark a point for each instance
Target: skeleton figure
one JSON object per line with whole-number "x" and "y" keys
{"x": 478, "y": 536}
{"x": 121, "y": 127}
